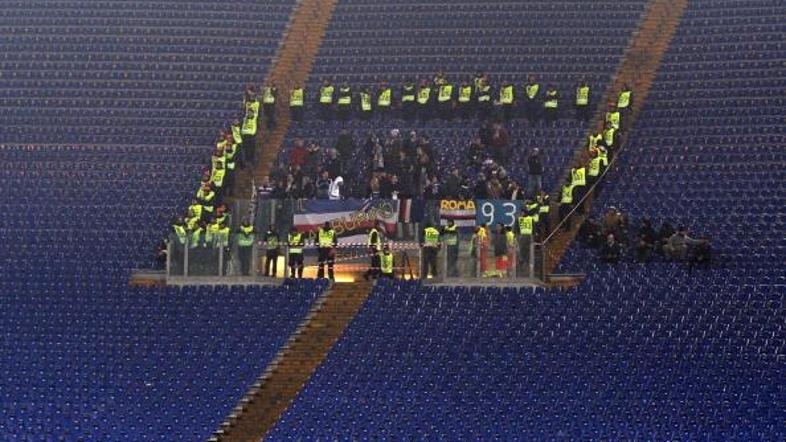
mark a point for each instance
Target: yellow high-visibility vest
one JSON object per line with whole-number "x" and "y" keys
{"x": 532, "y": 90}
{"x": 296, "y": 98}
{"x": 268, "y": 96}
{"x": 465, "y": 94}
{"x": 326, "y": 237}
{"x": 365, "y": 102}
{"x": 250, "y": 120}
{"x": 423, "y": 95}
{"x": 525, "y": 225}
{"x": 326, "y": 94}
{"x": 624, "y": 100}
{"x": 594, "y": 166}
{"x": 582, "y": 96}
{"x": 445, "y": 92}
{"x": 608, "y": 136}
{"x": 384, "y": 98}
{"x": 578, "y": 176}
{"x": 431, "y": 237}
{"x": 485, "y": 94}
{"x": 506, "y": 94}
{"x": 567, "y": 194}
{"x": 345, "y": 96}
{"x": 386, "y": 263}
{"x": 614, "y": 119}
{"x": 408, "y": 93}
{"x": 551, "y": 99}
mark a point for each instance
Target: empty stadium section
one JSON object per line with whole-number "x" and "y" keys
{"x": 113, "y": 113}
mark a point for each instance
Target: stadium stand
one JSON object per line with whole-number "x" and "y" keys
{"x": 637, "y": 351}
{"x": 131, "y": 73}
{"x": 95, "y": 360}
{"x": 369, "y": 42}
{"x": 108, "y": 110}
{"x": 626, "y": 356}
{"x": 709, "y": 150}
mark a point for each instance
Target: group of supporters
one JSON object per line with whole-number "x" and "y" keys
{"x": 438, "y": 97}
{"x": 617, "y": 241}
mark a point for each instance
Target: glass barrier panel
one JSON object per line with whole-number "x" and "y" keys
{"x": 203, "y": 260}
{"x": 176, "y": 257}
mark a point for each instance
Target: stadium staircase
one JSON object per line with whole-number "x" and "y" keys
{"x": 269, "y": 397}
{"x": 637, "y": 69}
{"x": 291, "y": 67}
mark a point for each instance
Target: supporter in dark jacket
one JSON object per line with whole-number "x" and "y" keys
{"x": 535, "y": 164}
{"x": 611, "y": 251}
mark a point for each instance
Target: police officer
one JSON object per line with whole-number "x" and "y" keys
{"x": 544, "y": 213}
{"x": 373, "y": 271}
{"x": 593, "y": 168}
{"x": 237, "y": 140}
{"x": 507, "y": 99}
{"x": 578, "y": 179}
{"x": 613, "y": 117}
{"x": 625, "y": 98}
{"x": 296, "y": 101}
{"x": 532, "y": 99}
{"x": 374, "y": 244}
{"x": 221, "y": 242}
{"x": 384, "y": 98}
{"x": 450, "y": 234}
{"x": 479, "y": 249}
{"x": 272, "y": 251}
{"x": 593, "y": 139}
{"x": 344, "y": 102}
{"x": 610, "y": 136}
{"x": 179, "y": 242}
{"x": 582, "y": 100}
{"x": 430, "y": 245}
{"x": 465, "y": 99}
{"x": 526, "y": 232}
{"x": 269, "y": 95}
{"x": 445, "y": 99}
{"x": 295, "y": 243}
{"x": 326, "y": 98}
{"x": 424, "y": 99}
{"x": 483, "y": 94}
{"x": 365, "y": 103}
{"x": 408, "y": 97}
{"x": 566, "y": 202}
{"x": 245, "y": 244}
{"x": 326, "y": 242}
{"x": 551, "y": 104}
{"x": 386, "y": 263}
{"x": 250, "y": 119}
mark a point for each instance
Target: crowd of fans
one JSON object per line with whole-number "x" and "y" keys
{"x": 398, "y": 165}
{"x": 616, "y": 240}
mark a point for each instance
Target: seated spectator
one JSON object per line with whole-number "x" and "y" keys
{"x": 590, "y": 233}
{"x": 677, "y": 245}
{"x": 647, "y": 231}
{"x": 701, "y": 253}
{"x": 666, "y": 230}
{"x": 642, "y": 251}
{"x": 345, "y": 144}
{"x": 611, "y": 251}
{"x": 611, "y": 220}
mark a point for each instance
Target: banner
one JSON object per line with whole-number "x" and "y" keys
{"x": 493, "y": 212}
{"x": 351, "y": 218}
{"x": 461, "y": 212}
